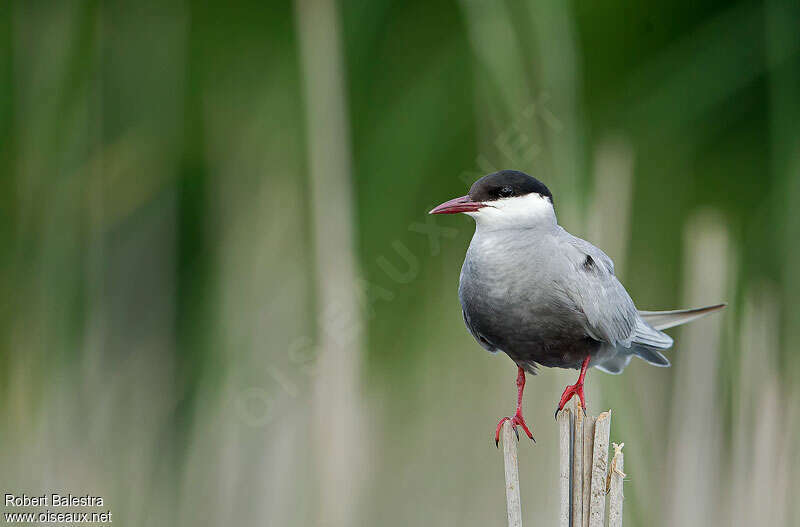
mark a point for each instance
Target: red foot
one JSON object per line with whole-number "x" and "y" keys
{"x": 573, "y": 389}
{"x": 569, "y": 391}
{"x": 516, "y": 420}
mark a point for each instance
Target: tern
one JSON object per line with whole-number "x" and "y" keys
{"x": 547, "y": 298}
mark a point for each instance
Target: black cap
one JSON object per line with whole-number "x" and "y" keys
{"x": 507, "y": 184}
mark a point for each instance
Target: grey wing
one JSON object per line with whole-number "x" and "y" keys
{"x": 589, "y": 249}
{"x": 589, "y": 282}
{"x": 611, "y": 315}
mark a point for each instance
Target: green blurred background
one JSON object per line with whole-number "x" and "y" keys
{"x": 224, "y": 303}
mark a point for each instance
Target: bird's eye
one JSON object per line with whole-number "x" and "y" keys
{"x": 506, "y": 191}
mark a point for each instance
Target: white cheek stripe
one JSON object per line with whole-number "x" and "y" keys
{"x": 519, "y": 211}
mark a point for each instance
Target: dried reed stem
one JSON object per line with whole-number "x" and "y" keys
{"x": 513, "y": 505}
{"x": 564, "y": 435}
{"x": 599, "y": 470}
{"x": 584, "y": 478}
{"x": 588, "y": 445}
{"x": 615, "y": 495}
{"x": 577, "y": 466}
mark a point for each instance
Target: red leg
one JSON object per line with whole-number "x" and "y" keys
{"x": 517, "y": 419}
{"x": 576, "y": 388}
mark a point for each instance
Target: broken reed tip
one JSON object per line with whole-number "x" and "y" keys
{"x": 617, "y": 453}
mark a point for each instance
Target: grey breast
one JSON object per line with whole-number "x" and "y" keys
{"x": 513, "y": 301}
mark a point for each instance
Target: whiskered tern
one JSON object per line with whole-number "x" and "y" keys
{"x": 547, "y": 298}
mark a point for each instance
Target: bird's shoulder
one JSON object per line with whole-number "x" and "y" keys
{"x": 587, "y": 253}
{"x": 590, "y": 283}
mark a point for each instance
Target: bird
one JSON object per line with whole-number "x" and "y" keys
{"x": 530, "y": 289}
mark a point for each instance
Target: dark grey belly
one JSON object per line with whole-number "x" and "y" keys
{"x": 545, "y": 331}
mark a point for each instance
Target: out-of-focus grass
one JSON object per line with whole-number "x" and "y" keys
{"x": 156, "y": 257}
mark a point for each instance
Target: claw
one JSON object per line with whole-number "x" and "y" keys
{"x": 497, "y": 431}
{"x": 569, "y": 392}
{"x": 574, "y": 389}
{"x": 516, "y": 420}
